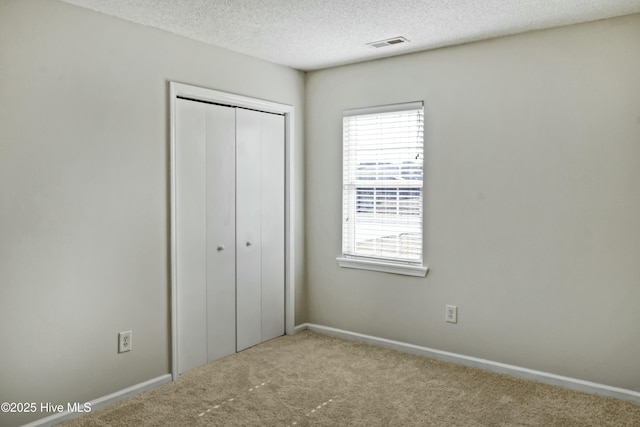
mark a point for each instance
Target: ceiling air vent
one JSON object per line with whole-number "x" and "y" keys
{"x": 388, "y": 42}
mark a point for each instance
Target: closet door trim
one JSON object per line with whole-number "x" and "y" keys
{"x": 181, "y": 90}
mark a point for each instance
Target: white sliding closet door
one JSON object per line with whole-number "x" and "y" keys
{"x": 260, "y": 227}
{"x": 205, "y": 193}
{"x": 191, "y": 243}
{"x": 221, "y": 235}
{"x": 273, "y": 226}
{"x": 230, "y": 230}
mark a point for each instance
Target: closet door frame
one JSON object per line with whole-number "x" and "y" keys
{"x": 180, "y": 90}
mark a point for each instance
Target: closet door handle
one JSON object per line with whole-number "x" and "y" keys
{"x": 249, "y": 244}
{"x": 220, "y": 248}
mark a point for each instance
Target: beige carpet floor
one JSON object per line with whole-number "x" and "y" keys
{"x": 311, "y": 379}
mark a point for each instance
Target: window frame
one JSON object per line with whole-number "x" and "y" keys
{"x": 381, "y": 263}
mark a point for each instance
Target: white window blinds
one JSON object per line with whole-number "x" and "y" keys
{"x": 382, "y": 183}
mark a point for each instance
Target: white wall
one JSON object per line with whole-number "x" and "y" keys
{"x": 532, "y": 205}
{"x": 84, "y": 166}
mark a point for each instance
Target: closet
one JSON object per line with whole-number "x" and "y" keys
{"x": 229, "y": 229}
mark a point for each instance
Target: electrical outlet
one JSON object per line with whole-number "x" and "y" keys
{"x": 451, "y": 314}
{"x": 124, "y": 341}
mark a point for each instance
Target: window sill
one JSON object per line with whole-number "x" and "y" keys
{"x": 386, "y": 267}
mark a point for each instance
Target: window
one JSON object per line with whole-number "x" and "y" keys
{"x": 382, "y": 189}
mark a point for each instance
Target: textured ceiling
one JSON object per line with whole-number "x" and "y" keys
{"x": 315, "y": 34}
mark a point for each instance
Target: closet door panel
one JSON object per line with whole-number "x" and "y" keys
{"x": 191, "y": 245}
{"x": 273, "y": 226}
{"x": 221, "y": 236}
{"x": 248, "y": 229}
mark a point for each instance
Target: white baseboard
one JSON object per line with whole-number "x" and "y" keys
{"x": 102, "y": 402}
{"x": 515, "y": 371}
{"x": 300, "y": 328}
